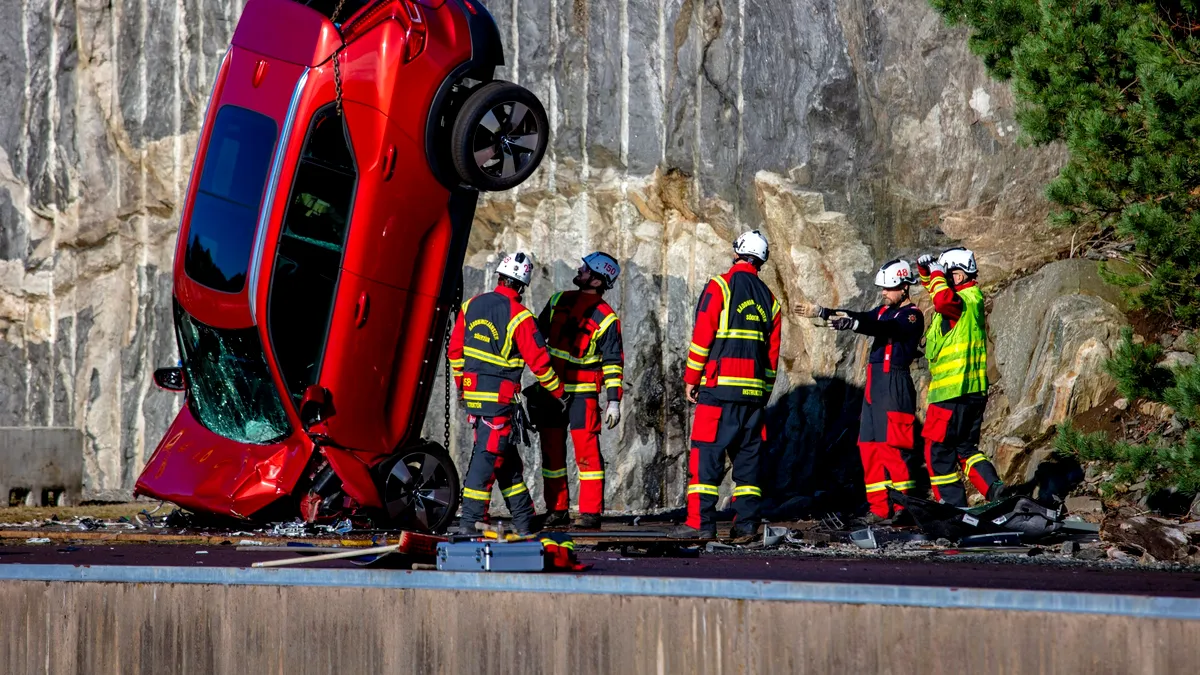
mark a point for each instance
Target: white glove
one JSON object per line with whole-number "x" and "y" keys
{"x": 925, "y": 261}
{"x": 612, "y": 414}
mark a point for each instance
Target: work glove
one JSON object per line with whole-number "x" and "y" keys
{"x": 612, "y": 414}
{"x": 927, "y": 265}
{"x": 844, "y": 323}
{"x": 811, "y": 311}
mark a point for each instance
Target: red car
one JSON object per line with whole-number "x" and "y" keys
{"x": 320, "y": 251}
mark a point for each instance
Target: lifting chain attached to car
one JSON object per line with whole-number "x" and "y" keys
{"x": 450, "y": 318}
{"x": 337, "y": 71}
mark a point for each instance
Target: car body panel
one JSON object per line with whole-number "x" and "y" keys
{"x": 298, "y": 35}
{"x": 198, "y": 469}
{"x": 396, "y": 280}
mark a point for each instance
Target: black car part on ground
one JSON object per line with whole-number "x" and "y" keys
{"x": 1015, "y": 514}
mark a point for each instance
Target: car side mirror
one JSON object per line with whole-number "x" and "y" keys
{"x": 170, "y": 379}
{"x": 315, "y": 406}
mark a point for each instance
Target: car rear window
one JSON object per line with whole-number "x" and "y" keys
{"x": 225, "y": 210}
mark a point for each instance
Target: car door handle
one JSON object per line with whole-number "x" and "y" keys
{"x": 389, "y": 162}
{"x": 361, "y": 309}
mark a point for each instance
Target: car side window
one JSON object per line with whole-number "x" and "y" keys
{"x": 310, "y": 248}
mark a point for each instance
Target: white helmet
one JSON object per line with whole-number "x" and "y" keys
{"x": 752, "y": 243}
{"x": 604, "y": 266}
{"x": 958, "y": 258}
{"x": 517, "y": 266}
{"x": 894, "y": 274}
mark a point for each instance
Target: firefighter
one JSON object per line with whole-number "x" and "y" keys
{"x": 956, "y": 347}
{"x": 583, "y": 335}
{"x": 889, "y": 401}
{"x": 730, "y": 374}
{"x": 493, "y": 339}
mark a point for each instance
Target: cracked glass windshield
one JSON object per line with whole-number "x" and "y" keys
{"x": 229, "y": 387}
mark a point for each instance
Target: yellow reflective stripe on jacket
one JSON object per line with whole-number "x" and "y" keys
{"x": 694, "y": 365}
{"x": 604, "y": 324}
{"x": 492, "y": 358}
{"x": 904, "y": 485}
{"x": 545, "y": 377}
{"x": 583, "y": 388}
{"x": 511, "y": 329}
{"x": 741, "y": 334}
{"x": 591, "y": 475}
{"x": 554, "y": 473}
{"x": 492, "y": 397}
{"x": 613, "y": 370}
{"x": 566, "y": 356}
{"x": 552, "y": 384}
{"x": 700, "y": 351}
{"x": 876, "y": 487}
{"x": 723, "y": 325}
{"x": 514, "y": 490}
{"x": 747, "y": 491}
{"x": 477, "y": 495}
{"x": 745, "y": 382}
{"x": 944, "y": 479}
{"x": 612, "y": 382}
{"x": 702, "y": 489}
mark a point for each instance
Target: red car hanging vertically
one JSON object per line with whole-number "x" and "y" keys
{"x": 320, "y": 251}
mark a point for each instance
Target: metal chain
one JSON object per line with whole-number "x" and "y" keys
{"x": 337, "y": 71}
{"x": 450, "y": 318}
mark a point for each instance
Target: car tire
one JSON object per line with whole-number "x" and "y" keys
{"x": 500, "y": 136}
{"x": 413, "y": 503}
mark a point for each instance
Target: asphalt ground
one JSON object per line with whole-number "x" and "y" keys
{"x": 961, "y": 572}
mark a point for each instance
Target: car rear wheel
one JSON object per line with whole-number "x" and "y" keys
{"x": 421, "y": 489}
{"x": 499, "y": 137}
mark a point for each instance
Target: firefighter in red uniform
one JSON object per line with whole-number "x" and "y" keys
{"x": 889, "y": 402}
{"x": 730, "y": 374}
{"x": 493, "y": 339}
{"x": 584, "y": 338}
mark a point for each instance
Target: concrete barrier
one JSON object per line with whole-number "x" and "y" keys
{"x": 35, "y": 461}
{"x": 65, "y": 619}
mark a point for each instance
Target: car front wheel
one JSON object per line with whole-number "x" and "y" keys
{"x": 499, "y": 137}
{"x": 421, "y": 488}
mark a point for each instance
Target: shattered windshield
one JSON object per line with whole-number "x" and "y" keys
{"x": 230, "y": 390}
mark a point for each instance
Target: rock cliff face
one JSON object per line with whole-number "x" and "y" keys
{"x": 849, "y": 130}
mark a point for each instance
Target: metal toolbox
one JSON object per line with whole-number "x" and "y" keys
{"x": 490, "y": 556}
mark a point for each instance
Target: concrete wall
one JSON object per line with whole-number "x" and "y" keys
{"x": 59, "y": 627}
{"x": 41, "y": 459}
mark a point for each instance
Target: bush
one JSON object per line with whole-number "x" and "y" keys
{"x": 1118, "y": 83}
{"x": 1136, "y": 370}
{"x": 1162, "y": 465}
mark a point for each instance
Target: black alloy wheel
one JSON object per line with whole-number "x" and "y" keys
{"x": 421, "y": 488}
{"x": 500, "y": 136}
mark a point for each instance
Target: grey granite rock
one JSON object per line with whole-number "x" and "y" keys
{"x": 850, "y": 130}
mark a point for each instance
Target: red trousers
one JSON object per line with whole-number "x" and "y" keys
{"x": 886, "y": 431}
{"x": 883, "y": 467}
{"x": 583, "y": 420}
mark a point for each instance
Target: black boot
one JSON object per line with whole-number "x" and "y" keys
{"x": 743, "y": 533}
{"x": 557, "y": 519}
{"x": 687, "y": 532}
{"x": 588, "y": 521}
